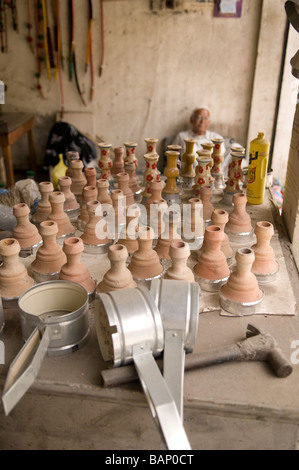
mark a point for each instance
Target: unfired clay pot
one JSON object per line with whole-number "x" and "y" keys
{"x": 128, "y": 236}
{"x": 193, "y": 223}
{"x": 145, "y": 263}
{"x": 123, "y": 181}
{"x": 70, "y": 156}
{"x": 103, "y": 192}
{"x": 265, "y": 265}
{"x": 14, "y": 278}
{"x": 156, "y": 219}
{"x": 116, "y": 218}
{"x": 169, "y": 235}
{"x": 212, "y": 264}
{"x": 118, "y": 165}
{"x": 220, "y": 218}
{"x": 91, "y": 176}
{"x": 205, "y": 194}
{"x": 156, "y": 188}
{"x": 65, "y": 227}
{"x": 242, "y": 285}
{"x": 25, "y": 232}
{"x": 239, "y": 221}
{"x": 50, "y": 257}
{"x": 70, "y": 202}
{"x": 43, "y": 208}
{"x": 118, "y": 276}
{"x": 179, "y": 253}
{"x": 95, "y": 230}
{"x": 89, "y": 193}
{"x": 74, "y": 270}
{"x": 133, "y": 183}
{"x": 78, "y": 177}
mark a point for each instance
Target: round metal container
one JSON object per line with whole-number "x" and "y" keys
{"x": 124, "y": 319}
{"x": 210, "y": 285}
{"x": 239, "y": 308}
{"x": 61, "y": 307}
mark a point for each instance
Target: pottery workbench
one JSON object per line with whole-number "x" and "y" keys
{"x": 238, "y": 405}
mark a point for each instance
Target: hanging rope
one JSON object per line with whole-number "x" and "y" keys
{"x": 45, "y": 27}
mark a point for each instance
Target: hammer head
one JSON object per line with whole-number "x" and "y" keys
{"x": 260, "y": 345}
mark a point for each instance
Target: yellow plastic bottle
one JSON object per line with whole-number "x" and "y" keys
{"x": 58, "y": 171}
{"x": 257, "y": 169}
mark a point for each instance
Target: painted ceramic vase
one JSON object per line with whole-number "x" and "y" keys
{"x": 130, "y": 153}
{"x": 151, "y": 144}
{"x": 105, "y": 162}
{"x": 151, "y": 172}
{"x": 203, "y": 175}
{"x": 217, "y": 155}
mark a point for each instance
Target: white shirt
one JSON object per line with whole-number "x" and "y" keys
{"x": 200, "y": 139}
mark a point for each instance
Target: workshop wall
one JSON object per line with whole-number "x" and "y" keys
{"x": 158, "y": 66}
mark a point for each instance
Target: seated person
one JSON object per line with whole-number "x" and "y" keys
{"x": 200, "y": 122}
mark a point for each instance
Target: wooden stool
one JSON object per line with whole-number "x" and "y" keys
{"x": 12, "y": 128}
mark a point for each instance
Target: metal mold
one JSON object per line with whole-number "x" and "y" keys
{"x": 131, "y": 328}
{"x": 209, "y": 285}
{"x": 239, "y": 308}
{"x": 54, "y": 322}
{"x": 25, "y": 252}
{"x": 97, "y": 249}
{"x": 241, "y": 238}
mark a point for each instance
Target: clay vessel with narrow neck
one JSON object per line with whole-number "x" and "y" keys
{"x": 89, "y": 193}
{"x": 169, "y": 235}
{"x": 193, "y": 223}
{"x": 70, "y": 202}
{"x": 128, "y": 236}
{"x": 78, "y": 177}
{"x": 212, "y": 264}
{"x": 205, "y": 194}
{"x": 118, "y": 165}
{"x": 156, "y": 188}
{"x": 50, "y": 257}
{"x": 265, "y": 264}
{"x": 133, "y": 182}
{"x": 103, "y": 192}
{"x": 14, "y": 278}
{"x": 118, "y": 276}
{"x": 25, "y": 232}
{"x": 123, "y": 181}
{"x": 65, "y": 227}
{"x": 242, "y": 285}
{"x": 70, "y": 156}
{"x": 43, "y": 207}
{"x": 179, "y": 253}
{"x": 74, "y": 270}
{"x": 95, "y": 230}
{"x": 91, "y": 176}
{"x": 145, "y": 263}
{"x": 117, "y": 216}
{"x": 220, "y": 218}
{"x": 239, "y": 221}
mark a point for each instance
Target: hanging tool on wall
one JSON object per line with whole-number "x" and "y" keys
{"x": 102, "y": 39}
{"x": 72, "y": 54}
{"x": 89, "y": 52}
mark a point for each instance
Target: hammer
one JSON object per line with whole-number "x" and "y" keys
{"x": 258, "y": 345}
